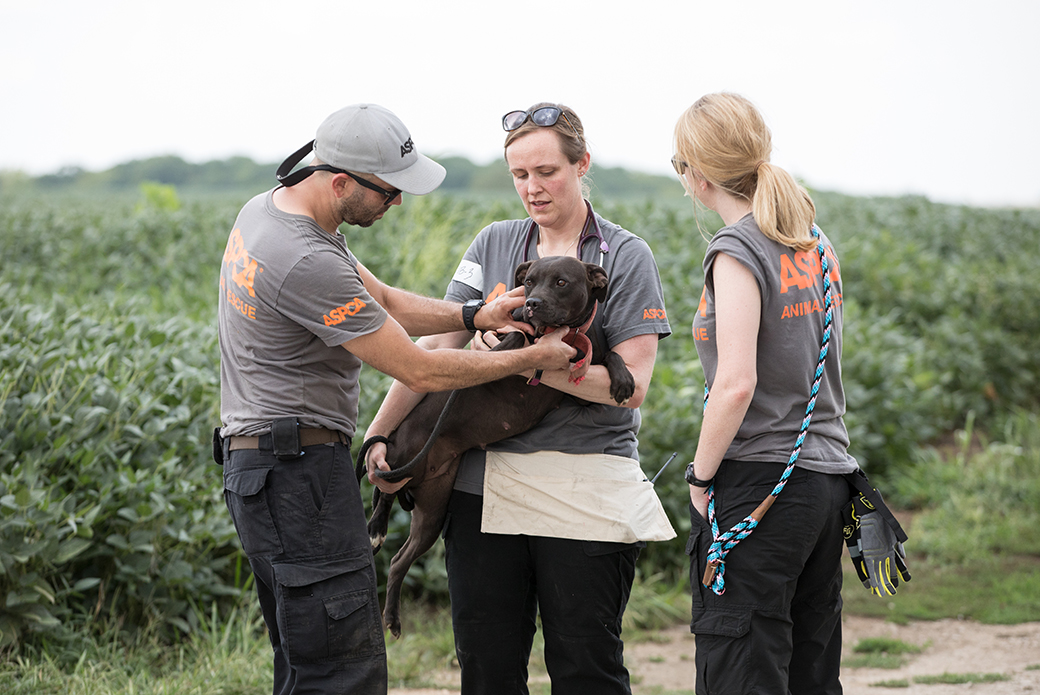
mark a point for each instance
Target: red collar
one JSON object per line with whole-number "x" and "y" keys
{"x": 577, "y": 339}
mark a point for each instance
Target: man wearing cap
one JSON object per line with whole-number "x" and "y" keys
{"x": 298, "y": 314}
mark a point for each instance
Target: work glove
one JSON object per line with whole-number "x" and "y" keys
{"x": 877, "y": 555}
{"x": 883, "y": 557}
{"x": 851, "y": 515}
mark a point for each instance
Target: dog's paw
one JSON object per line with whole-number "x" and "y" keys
{"x": 392, "y": 621}
{"x": 622, "y": 389}
{"x": 622, "y": 383}
{"x": 377, "y": 542}
{"x": 622, "y": 392}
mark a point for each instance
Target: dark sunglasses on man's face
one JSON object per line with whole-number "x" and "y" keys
{"x": 389, "y": 195}
{"x": 545, "y": 117}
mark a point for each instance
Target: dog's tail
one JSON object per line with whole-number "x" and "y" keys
{"x": 405, "y": 471}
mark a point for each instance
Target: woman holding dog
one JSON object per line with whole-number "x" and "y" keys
{"x": 543, "y": 522}
{"x": 768, "y": 616}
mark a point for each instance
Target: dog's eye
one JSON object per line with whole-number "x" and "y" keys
{"x": 561, "y": 283}
{"x": 528, "y": 283}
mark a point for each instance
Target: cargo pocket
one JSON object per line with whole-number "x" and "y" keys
{"x": 697, "y": 546}
{"x": 328, "y": 610}
{"x": 246, "y": 500}
{"x": 723, "y": 656}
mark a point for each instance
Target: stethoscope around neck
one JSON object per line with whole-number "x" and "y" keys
{"x": 586, "y": 234}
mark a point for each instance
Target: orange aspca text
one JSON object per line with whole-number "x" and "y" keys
{"x": 340, "y": 314}
{"x": 802, "y": 272}
{"x": 244, "y": 268}
{"x": 653, "y": 314}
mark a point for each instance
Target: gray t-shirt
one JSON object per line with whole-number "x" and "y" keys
{"x": 789, "y": 338}
{"x": 290, "y": 295}
{"x": 634, "y": 306}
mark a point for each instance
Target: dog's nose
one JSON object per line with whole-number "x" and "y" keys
{"x": 532, "y": 303}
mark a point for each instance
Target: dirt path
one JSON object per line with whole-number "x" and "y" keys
{"x": 948, "y": 646}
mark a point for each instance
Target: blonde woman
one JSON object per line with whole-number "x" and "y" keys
{"x": 767, "y": 614}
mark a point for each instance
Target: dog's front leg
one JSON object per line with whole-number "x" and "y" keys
{"x": 622, "y": 383}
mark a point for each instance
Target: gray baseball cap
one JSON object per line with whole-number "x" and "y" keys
{"x": 369, "y": 139}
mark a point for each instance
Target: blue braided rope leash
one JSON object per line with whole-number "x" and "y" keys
{"x": 715, "y": 570}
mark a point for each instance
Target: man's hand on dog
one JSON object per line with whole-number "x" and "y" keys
{"x": 376, "y": 459}
{"x": 558, "y": 354}
{"x": 498, "y": 314}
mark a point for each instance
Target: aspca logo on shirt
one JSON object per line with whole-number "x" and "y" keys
{"x": 340, "y": 314}
{"x": 654, "y": 314}
{"x": 243, "y": 268}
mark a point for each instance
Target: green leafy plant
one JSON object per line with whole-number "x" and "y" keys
{"x": 111, "y": 517}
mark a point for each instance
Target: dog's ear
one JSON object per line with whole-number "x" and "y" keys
{"x": 597, "y": 281}
{"x": 521, "y": 272}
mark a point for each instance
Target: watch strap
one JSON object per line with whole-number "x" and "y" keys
{"x": 692, "y": 478}
{"x": 469, "y": 312}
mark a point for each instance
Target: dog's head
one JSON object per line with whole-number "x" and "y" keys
{"x": 560, "y": 291}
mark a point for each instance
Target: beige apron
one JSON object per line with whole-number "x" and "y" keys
{"x": 593, "y": 497}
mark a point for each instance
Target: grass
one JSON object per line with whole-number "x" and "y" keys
{"x": 880, "y": 652}
{"x": 1005, "y": 590}
{"x": 227, "y": 655}
{"x": 960, "y": 678}
{"x": 230, "y": 655}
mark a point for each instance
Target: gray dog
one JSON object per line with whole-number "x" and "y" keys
{"x": 561, "y": 292}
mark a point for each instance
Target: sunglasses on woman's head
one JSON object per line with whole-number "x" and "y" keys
{"x": 680, "y": 165}
{"x": 546, "y": 116}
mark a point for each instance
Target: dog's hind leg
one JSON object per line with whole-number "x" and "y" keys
{"x": 431, "y": 503}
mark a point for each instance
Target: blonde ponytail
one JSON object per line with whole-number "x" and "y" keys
{"x": 783, "y": 209}
{"x": 724, "y": 138}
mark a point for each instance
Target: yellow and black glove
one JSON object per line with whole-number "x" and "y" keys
{"x": 883, "y": 556}
{"x": 874, "y": 546}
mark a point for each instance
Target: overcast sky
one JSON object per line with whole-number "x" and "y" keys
{"x": 868, "y": 98}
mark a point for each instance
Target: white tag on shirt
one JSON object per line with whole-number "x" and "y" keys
{"x": 470, "y": 273}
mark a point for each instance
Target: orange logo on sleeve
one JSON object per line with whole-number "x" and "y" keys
{"x": 340, "y": 314}
{"x": 654, "y": 314}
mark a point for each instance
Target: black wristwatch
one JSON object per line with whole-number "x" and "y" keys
{"x": 694, "y": 480}
{"x": 469, "y": 312}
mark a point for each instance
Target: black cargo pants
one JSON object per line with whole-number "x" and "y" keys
{"x": 500, "y": 583}
{"x": 302, "y": 525}
{"x": 777, "y": 627}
